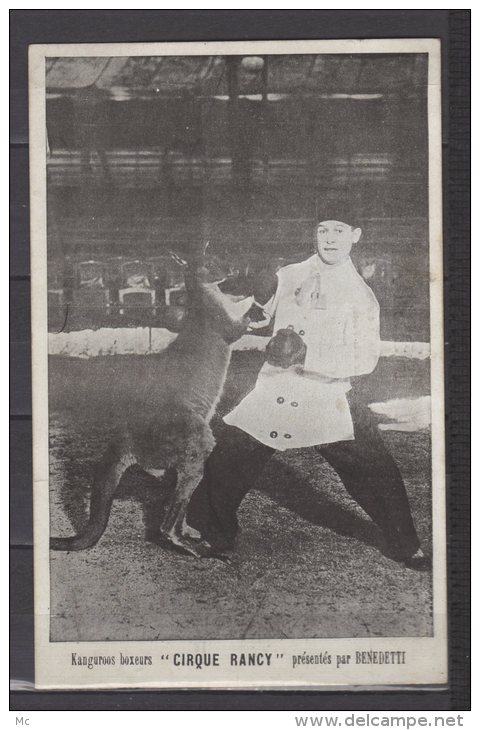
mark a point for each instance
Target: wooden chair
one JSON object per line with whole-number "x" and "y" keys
{"x": 91, "y": 291}
{"x": 137, "y": 290}
{"x": 169, "y": 280}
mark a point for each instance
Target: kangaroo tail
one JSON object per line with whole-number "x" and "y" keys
{"x": 99, "y": 514}
{"x": 108, "y": 474}
{"x": 89, "y": 537}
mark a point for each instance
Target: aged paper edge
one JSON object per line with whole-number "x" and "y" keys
{"x": 429, "y": 663}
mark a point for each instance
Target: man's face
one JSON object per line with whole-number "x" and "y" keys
{"x": 335, "y": 240}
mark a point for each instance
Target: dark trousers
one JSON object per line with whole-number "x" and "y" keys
{"x": 365, "y": 466}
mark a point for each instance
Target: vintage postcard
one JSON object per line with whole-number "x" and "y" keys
{"x": 239, "y": 472}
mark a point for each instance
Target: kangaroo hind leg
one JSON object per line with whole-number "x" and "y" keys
{"x": 108, "y": 472}
{"x": 174, "y": 526}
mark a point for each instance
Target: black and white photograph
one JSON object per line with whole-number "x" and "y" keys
{"x": 238, "y": 377}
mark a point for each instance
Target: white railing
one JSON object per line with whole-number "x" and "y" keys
{"x": 150, "y": 340}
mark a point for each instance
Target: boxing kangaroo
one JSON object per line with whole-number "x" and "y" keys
{"x": 168, "y": 401}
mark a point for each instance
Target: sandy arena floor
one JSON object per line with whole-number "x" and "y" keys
{"x": 307, "y": 562}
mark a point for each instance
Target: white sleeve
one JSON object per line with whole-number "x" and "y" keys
{"x": 365, "y": 341}
{"x": 355, "y": 349}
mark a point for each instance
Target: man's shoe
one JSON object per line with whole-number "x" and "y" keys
{"x": 419, "y": 561}
{"x": 219, "y": 551}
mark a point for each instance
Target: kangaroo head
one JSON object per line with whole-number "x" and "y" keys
{"x": 226, "y": 314}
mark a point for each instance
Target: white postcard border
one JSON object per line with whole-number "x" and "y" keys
{"x": 427, "y": 656}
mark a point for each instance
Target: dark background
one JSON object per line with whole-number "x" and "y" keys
{"x": 453, "y": 27}
{"x": 150, "y": 154}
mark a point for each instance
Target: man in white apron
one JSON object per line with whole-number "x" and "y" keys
{"x": 325, "y": 302}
